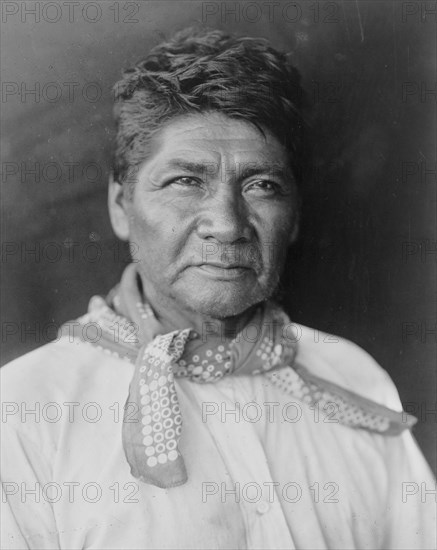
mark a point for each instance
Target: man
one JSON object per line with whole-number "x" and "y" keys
{"x": 186, "y": 410}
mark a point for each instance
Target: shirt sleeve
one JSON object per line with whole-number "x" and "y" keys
{"x": 410, "y": 508}
{"x": 27, "y": 514}
{"x": 411, "y": 497}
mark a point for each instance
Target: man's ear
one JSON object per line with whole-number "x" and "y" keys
{"x": 117, "y": 209}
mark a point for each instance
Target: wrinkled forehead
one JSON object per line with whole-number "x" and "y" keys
{"x": 218, "y": 139}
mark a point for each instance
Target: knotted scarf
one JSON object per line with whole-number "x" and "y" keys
{"x": 266, "y": 346}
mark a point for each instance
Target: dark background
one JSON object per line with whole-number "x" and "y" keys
{"x": 364, "y": 267}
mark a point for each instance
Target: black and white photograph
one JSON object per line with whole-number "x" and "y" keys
{"x": 218, "y": 292}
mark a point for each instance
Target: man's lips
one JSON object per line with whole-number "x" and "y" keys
{"x": 224, "y": 271}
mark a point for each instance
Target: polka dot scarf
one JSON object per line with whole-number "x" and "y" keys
{"x": 153, "y": 423}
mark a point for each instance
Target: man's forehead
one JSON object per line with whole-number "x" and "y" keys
{"x": 227, "y": 147}
{"x": 239, "y": 142}
{"x": 216, "y": 139}
{"x": 233, "y": 142}
{"x": 214, "y": 157}
{"x": 219, "y": 131}
{"x": 221, "y": 149}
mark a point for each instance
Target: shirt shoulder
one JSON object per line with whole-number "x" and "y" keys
{"x": 62, "y": 369}
{"x": 345, "y": 363}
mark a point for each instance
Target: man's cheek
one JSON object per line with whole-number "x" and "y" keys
{"x": 144, "y": 232}
{"x": 274, "y": 251}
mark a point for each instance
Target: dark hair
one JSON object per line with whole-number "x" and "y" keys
{"x": 201, "y": 70}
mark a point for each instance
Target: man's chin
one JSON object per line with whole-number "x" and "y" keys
{"x": 220, "y": 301}
{"x": 221, "y": 309}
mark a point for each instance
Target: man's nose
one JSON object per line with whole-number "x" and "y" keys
{"x": 224, "y": 218}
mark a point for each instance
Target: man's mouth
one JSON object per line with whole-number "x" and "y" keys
{"x": 224, "y": 271}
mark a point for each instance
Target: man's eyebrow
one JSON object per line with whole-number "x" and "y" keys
{"x": 191, "y": 166}
{"x": 248, "y": 169}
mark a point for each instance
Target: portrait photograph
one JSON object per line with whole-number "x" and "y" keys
{"x": 218, "y": 262}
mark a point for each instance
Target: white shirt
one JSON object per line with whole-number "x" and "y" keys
{"x": 265, "y": 471}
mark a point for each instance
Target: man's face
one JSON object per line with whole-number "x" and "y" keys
{"x": 212, "y": 214}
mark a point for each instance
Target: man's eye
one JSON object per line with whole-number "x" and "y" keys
{"x": 186, "y": 181}
{"x": 263, "y": 187}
